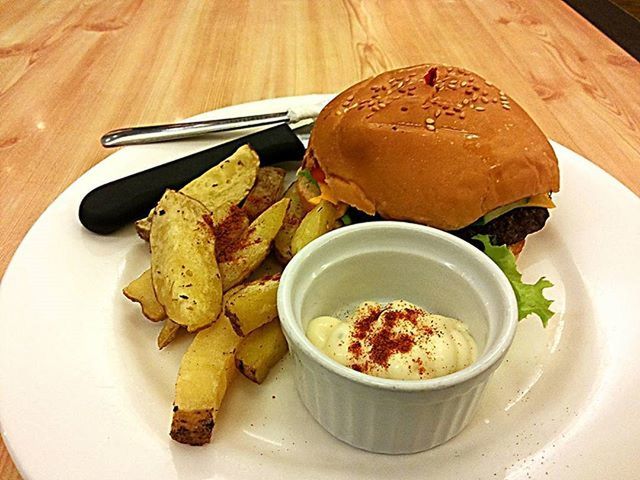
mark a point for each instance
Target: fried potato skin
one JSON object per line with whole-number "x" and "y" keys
{"x": 206, "y": 370}
{"x": 291, "y": 222}
{"x": 141, "y": 291}
{"x": 229, "y": 182}
{"x": 168, "y": 333}
{"x": 265, "y": 192}
{"x": 184, "y": 271}
{"x": 253, "y": 305}
{"x": 238, "y": 263}
{"x": 316, "y": 223}
{"x": 260, "y": 351}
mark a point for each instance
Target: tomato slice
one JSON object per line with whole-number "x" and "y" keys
{"x": 317, "y": 174}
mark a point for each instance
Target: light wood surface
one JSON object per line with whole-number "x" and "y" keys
{"x": 71, "y": 70}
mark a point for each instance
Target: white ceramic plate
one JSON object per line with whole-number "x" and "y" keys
{"x": 84, "y": 393}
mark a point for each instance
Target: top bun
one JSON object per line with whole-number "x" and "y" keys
{"x": 431, "y": 144}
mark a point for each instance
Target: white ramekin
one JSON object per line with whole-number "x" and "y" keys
{"x": 383, "y": 261}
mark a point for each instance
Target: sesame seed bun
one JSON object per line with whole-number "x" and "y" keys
{"x": 431, "y": 144}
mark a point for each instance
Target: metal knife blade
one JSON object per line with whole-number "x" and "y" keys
{"x": 176, "y": 131}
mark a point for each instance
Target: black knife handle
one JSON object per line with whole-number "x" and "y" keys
{"x": 115, "y": 204}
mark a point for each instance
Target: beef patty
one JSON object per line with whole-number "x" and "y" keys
{"x": 510, "y": 228}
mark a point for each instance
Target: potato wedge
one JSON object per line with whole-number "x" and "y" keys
{"x": 248, "y": 253}
{"x": 270, "y": 266}
{"x": 260, "y": 351}
{"x": 230, "y": 224}
{"x": 291, "y": 222}
{"x": 141, "y": 291}
{"x": 205, "y": 372}
{"x": 317, "y": 222}
{"x": 265, "y": 192}
{"x": 168, "y": 333}
{"x": 184, "y": 271}
{"x": 307, "y": 189}
{"x": 253, "y": 305}
{"x": 227, "y": 182}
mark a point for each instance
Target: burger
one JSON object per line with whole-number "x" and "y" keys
{"x": 440, "y": 146}
{"x": 436, "y": 145}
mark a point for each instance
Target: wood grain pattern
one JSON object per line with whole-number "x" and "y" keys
{"x": 71, "y": 70}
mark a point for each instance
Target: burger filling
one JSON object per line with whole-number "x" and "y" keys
{"x": 509, "y": 228}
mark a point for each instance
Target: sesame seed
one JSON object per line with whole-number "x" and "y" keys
{"x": 468, "y": 91}
{"x": 462, "y": 115}
{"x": 369, "y": 116}
{"x": 465, "y": 101}
{"x": 485, "y": 92}
{"x": 361, "y": 107}
{"x": 488, "y": 83}
{"x": 412, "y": 87}
{"x": 375, "y": 108}
{"x": 503, "y": 97}
{"x": 473, "y": 105}
{"x": 382, "y": 104}
{"x": 445, "y": 106}
{"x": 430, "y": 121}
{"x": 404, "y": 109}
{"x": 449, "y": 69}
{"x": 412, "y": 74}
{"x": 501, "y": 93}
{"x": 475, "y": 97}
{"x": 484, "y": 100}
{"x": 449, "y": 112}
{"x": 384, "y": 87}
{"x": 463, "y": 83}
{"x": 350, "y": 97}
{"x": 431, "y": 127}
{"x": 411, "y": 94}
{"x": 506, "y": 107}
{"x": 345, "y": 104}
{"x": 471, "y": 79}
{"x": 371, "y": 102}
{"x": 402, "y": 90}
{"x": 438, "y": 112}
{"x": 476, "y": 87}
{"x": 494, "y": 99}
{"x": 479, "y": 109}
{"x": 457, "y": 109}
{"x": 453, "y": 87}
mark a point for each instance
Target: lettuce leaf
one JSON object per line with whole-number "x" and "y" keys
{"x": 307, "y": 174}
{"x": 529, "y": 296}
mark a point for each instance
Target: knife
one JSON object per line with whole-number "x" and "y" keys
{"x": 116, "y": 204}
{"x": 176, "y": 131}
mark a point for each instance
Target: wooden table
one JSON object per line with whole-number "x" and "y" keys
{"x": 71, "y": 70}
